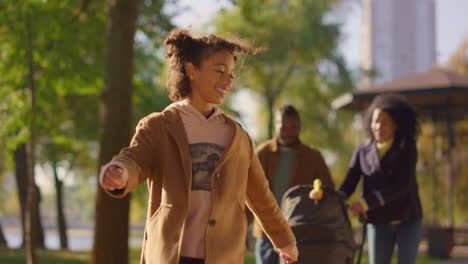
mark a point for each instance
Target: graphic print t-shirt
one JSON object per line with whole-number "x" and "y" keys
{"x": 208, "y": 140}
{"x": 205, "y": 157}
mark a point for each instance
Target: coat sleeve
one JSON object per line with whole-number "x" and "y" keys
{"x": 250, "y": 216}
{"x": 352, "y": 177}
{"x": 138, "y": 158}
{"x": 403, "y": 173}
{"x": 263, "y": 204}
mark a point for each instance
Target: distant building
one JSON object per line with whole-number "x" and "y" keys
{"x": 398, "y": 38}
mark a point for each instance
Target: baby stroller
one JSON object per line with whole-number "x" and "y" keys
{"x": 323, "y": 230}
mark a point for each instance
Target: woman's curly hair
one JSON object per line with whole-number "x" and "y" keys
{"x": 401, "y": 111}
{"x": 183, "y": 48}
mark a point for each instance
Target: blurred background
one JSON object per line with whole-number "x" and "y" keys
{"x": 76, "y": 76}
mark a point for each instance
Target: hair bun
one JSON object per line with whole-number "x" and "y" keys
{"x": 178, "y": 41}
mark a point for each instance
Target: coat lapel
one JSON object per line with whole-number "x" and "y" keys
{"x": 177, "y": 131}
{"x": 234, "y": 143}
{"x": 372, "y": 157}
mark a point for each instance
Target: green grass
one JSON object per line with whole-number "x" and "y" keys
{"x": 419, "y": 260}
{"x": 18, "y": 256}
{"x": 249, "y": 258}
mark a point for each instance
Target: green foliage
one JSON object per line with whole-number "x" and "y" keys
{"x": 139, "y": 204}
{"x": 18, "y": 256}
{"x": 458, "y": 62}
{"x": 150, "y": 94}
{"x": 67, "y": 47}
{"x": 432, "y": 167}
{"x": 301, "y": 65}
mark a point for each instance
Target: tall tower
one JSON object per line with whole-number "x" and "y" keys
{"x": 398, "y": 38}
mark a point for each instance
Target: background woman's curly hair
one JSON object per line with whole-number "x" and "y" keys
{"x": 401, "y": 111}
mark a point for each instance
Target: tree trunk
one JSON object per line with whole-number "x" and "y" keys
{"x": 111, "y": 219}
{"x": 3, "y": 242}
{"x": 31, "y": 207}
{"x": 61, "y": 221}
{"x": 21, "y": 167}
{"x": 271, "y": 116}
{"x": 31, "y": 201}
{"x": 21, "y": 171}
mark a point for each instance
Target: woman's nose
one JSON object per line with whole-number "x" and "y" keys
{"x": 227, "y": 80}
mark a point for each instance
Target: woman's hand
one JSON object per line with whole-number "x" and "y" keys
{"x": 290, "y": 253}
{"x": 287, "y": 258}
{"x": 114, "y": 178}
{"x": 316, "y": 195}
{"x": 358, "y": 209}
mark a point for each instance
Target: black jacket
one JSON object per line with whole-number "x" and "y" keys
{"x": 389, "y": 185}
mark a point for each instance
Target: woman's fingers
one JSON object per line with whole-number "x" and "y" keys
{"x": 107, "y": 183}
{"x": 287, "y": 258}
{"x": 356, "y": 209}
{"x": 114, "y": 178}
{"x": 364, "y": 214}
{"x": 354, "y": 212}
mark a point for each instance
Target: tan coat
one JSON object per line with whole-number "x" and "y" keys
{"x": 159, "y": 153}
{"x": 307, "y": 165}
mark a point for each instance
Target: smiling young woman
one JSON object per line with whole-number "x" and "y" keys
{"x": 383, "y": 126}
{"x": 211, "y": 81}
{"x": 199, "y": 164}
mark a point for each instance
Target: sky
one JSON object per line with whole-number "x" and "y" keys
{"x": 451, "y": 25}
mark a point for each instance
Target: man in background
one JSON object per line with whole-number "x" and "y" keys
{"x": 286, "y": 162}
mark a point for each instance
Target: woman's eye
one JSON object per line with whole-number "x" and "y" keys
{"x": 221, "y": 72}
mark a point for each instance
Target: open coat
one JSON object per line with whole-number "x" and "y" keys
{"x": 159, "y": 153}
{"x": 390, "y": 187}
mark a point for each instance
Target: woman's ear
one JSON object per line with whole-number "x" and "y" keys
{"x": 190, "y": 70}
